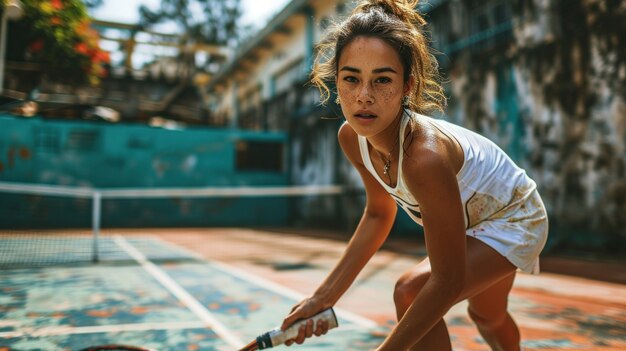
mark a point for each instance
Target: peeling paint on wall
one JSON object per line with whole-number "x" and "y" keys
{"x": 568, "y": 68}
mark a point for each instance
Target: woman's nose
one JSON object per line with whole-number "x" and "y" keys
{"x": 365, "y": 94}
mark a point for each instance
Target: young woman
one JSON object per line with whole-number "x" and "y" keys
{"x": 482, "y": 216}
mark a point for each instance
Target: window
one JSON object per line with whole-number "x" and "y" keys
{"x": 83, "y": 140}
{"x": 259, "y": 156}
{"x": 47, "y": 140}
{"x": 251, "y": 98}
{"x": 295, "y": 72}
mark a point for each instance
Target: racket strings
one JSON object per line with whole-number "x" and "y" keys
{"x": 253, "y": 346}
{"x": 116, "y": 348}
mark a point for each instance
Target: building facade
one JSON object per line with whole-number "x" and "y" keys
{"x": 264, "y": 87}
{"x": 544, "y": 79}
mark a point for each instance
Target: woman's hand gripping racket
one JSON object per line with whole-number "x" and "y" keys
{"x": 277, "y": 336}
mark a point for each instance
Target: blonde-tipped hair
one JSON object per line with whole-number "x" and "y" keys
{"x": 398, "y": 24}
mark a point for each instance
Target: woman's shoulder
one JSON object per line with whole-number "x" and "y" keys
{"x": 347, "y": 136}
{"x": 346, "y": 131}
{"x": 349, "y": 142}
{"x": 427, "y": 148}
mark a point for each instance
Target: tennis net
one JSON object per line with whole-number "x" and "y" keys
{"x": 44, "y": 225}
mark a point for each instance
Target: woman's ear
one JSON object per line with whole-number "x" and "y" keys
{"x": 408, "y": 86}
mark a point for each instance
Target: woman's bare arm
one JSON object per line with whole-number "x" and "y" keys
{"x": 373, "y": 229}
{"x": 430, "y": 176}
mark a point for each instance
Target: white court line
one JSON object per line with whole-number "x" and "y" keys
{"x": 194, "y": 305}
{"x": 68, "y": 330}
{"x": 276, "y": 288}
{"x": 287, "y": 292}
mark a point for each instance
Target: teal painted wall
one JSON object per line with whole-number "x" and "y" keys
{"x": 103, "y": 155}
{"x": 92, "y": 154}
{"x": 510, "y": 124}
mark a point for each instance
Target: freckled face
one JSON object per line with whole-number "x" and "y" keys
{"x": 370, "y": 83}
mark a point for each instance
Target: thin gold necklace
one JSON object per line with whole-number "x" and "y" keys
{"x": 387, "y": 160}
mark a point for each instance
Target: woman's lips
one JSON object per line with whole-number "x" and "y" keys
{"x": 365, "y": 115}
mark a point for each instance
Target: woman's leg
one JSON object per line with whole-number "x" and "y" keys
{"x": 488, "y": 310}
{"x": 485, "y": 268}
{"x": 407, "y": 288}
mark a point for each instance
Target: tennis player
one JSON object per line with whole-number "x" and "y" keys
{"x": 483, "y": 219}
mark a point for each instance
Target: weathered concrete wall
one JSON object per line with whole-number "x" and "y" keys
{"x": 553, "y": 96}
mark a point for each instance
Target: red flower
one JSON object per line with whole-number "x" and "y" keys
{"x": 57, "y": 4}
{"x": 100, "y": 56}
{"x": 81, "y": 48}
{"x": 36, "y": 46}
{"x": 56, "y": 20}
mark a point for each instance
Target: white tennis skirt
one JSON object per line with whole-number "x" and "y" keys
{"x": 518, "y": 232}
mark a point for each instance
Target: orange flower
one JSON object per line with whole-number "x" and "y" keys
{"x": 56, "y": 20}
{"x": 106, "y": 56}
{"x": 82, "y": 27}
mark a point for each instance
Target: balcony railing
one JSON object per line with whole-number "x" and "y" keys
{"x": 274, "y": 114}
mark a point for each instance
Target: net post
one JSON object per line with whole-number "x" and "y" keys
{"x": 95, "y": 222}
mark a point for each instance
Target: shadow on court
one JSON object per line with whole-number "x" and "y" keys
{"x": 216, "y": 289}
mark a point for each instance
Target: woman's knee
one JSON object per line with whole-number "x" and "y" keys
{"x": 408, "y": 286}
{"x": 485, "y": 321}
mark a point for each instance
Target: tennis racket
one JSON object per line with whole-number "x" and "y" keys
{"x": 277, "y": 336}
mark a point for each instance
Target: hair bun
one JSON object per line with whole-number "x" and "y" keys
{"x": 402, "y": 9}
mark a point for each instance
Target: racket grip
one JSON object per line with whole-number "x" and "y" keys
{"x": 277, "y": 337}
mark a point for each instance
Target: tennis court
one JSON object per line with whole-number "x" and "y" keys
{"x": 216, "y": 289}
{"x": 178, "y": 302}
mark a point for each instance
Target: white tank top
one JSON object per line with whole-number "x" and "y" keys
{"x": 488, "y": 180}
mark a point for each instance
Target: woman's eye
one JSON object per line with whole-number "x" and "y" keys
{"x": 350, "y": 79}
{"x": 383, "y": 80}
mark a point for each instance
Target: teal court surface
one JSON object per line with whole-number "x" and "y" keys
{"x": 217, "y": 289}
{"x": 178, "y": 302}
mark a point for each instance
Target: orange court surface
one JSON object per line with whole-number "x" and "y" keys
{"x": 554, "y": 311}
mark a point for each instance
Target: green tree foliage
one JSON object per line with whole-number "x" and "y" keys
{"x": 56, "y": 35}
{"x": 201, "y": 21}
